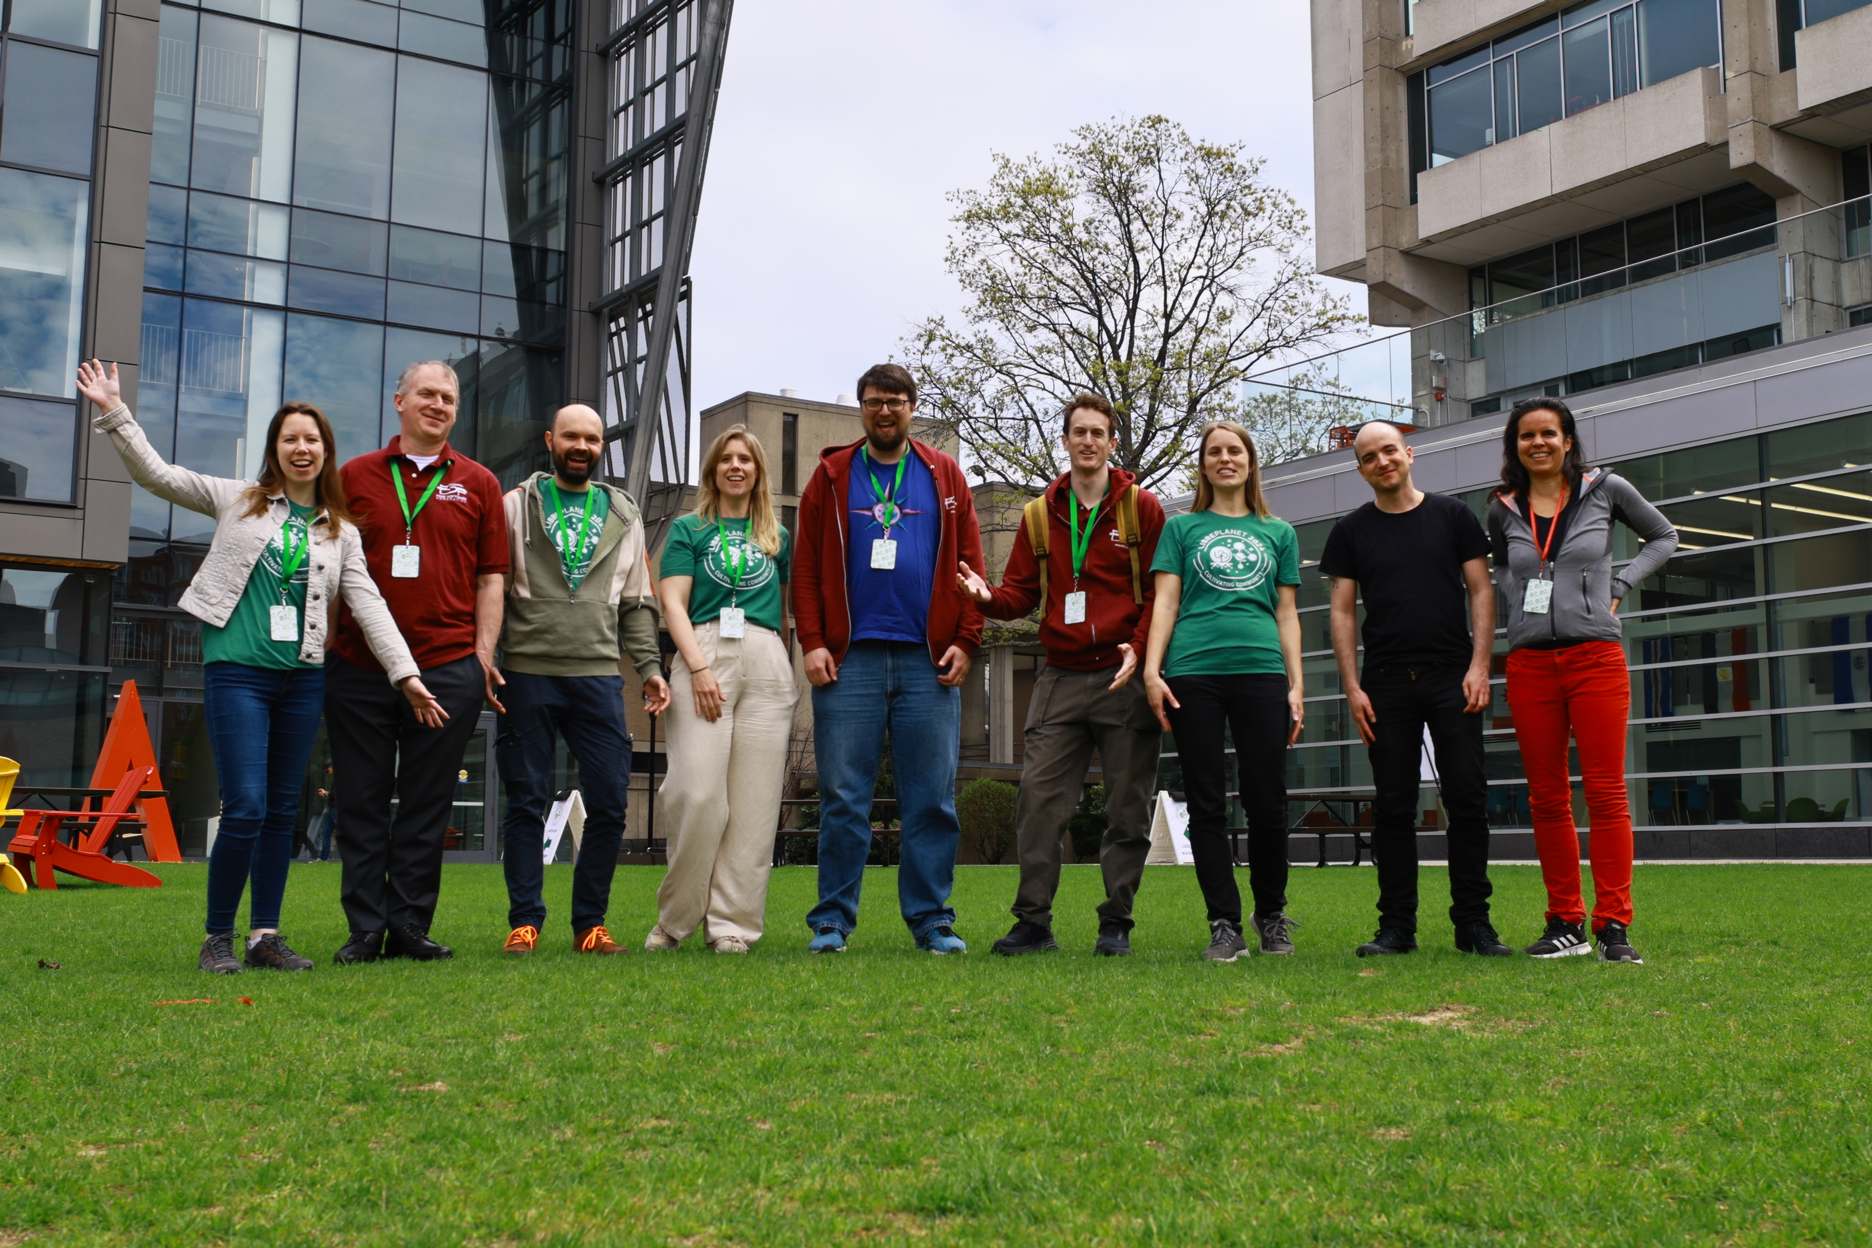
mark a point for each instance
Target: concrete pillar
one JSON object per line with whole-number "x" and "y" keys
{"x": 1002, "y": 730}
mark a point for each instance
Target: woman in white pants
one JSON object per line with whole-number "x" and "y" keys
{"x": 723, "y": 576}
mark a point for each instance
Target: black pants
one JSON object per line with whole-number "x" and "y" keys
{"x": 588, "y": 711}
{"x": 392, "y": 871}
{"x": 1254, "y": 710}
{"x": 1407, "y": 699}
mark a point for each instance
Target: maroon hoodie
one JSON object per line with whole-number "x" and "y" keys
{"x": 821, "y": 598}
{"x": 1111, "y": 616}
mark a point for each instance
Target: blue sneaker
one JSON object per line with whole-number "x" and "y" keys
{"x": 941, "y": 940}
{"x": 827, "y": 939}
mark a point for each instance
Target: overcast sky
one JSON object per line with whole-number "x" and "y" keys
{"x": 842, "y": 125}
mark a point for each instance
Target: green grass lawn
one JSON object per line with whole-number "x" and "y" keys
{"x": 1718, "y": 1094}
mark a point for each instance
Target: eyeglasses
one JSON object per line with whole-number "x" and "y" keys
{"x": 881, "y": 405}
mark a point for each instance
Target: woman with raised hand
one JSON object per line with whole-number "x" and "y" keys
{"x": 282, "y": 552}
{"x": 722, "y": 584}
{"x": 1550, "y": 527}
{"x": 1224, "y": 651}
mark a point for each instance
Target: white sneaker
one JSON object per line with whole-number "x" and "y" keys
{"x": 659, "y": 941}
{"x": 730, "y": 944}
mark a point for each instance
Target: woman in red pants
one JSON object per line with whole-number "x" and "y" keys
{"x": 1550, "y": 526}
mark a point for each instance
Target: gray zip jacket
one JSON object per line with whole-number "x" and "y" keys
{"x": 337, "y": 566}
{"x": 1583, "y": 583}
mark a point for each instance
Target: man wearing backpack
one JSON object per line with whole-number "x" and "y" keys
{"x": 1082, "y": 552}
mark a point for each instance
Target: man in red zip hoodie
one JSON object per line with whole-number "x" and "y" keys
{"x": 888, "y": 637}
{"x": 1093, "y": 626}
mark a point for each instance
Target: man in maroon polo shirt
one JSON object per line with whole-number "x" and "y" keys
{"x": 435, "y": 542}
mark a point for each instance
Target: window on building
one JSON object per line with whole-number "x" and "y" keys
{"x": 789, "y": 453}
{"x": 1861, "y": 315}
{"x": 1856, "y": 177}
{"x": 1592, "y": 53}
{"x": 1737, "y": 219}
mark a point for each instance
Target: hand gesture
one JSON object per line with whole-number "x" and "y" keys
{"x": 955, "y": 666}
{"x": 1475, "y": 688}
{"x": 1296, "y": 708}
{"x": 706, "y": 691}
{"x": 491, "y": 683}
{"x": 98, "y": 385}
{"x": 423, "y": 705}
{"x": 1364, "y": 718}
{"x": 1128, "y": 666}
{"x": 970, "y": 582}
{"x": 1162, "y": 701}
{"x": 656, "y": 695}
{"x": 821, "y": 667}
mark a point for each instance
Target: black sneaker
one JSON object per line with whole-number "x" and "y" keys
{"x": 1114, "y": 941}
{"x": 272, "y": 953}
{"x": 1225, "y": 942}
{"x": 217, "y": 955}
{"x": 361, "y": 947}
{"x": 1481, "y": 939}
{"x": 1389, "y": 940}
{"x": 410, "y": 941}
{"x": 1276, "y": 932}
{"x": 1025, "y": 938}
{"x": 1615, "y": 945}
{"x": 1561, "y": 940}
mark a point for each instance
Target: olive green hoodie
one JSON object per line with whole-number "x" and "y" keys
{"x": 608, "y": 625}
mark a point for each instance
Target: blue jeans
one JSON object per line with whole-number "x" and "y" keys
{"x": 589, "y": 712}
{"x": 261, "y": 725}
{"x": 887, "y": 688}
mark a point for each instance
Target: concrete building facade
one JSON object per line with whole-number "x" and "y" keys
{"x": 1659, "y": 210}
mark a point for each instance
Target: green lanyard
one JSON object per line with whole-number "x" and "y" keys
{"x": 409, "y": 516}
{"x": 888, "y": 510}
{"x": 736, "y": 566}
{"x": 570, "y": 555}
{"x": 290, "y": 556}
{"x": 1080, "y": 546}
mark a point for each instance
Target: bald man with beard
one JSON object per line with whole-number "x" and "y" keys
{"x": 581, "y": 614}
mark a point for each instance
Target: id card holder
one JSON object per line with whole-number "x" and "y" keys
{"x": 405, "y": 561}
{"x": 883, "y": 554}
{"x": 1076, "y": 607}
{"x": 283, "y": 622}
{"x": 733, "y": 621}
{"x": 1537, "y": 597}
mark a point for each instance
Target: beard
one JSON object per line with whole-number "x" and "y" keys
{"x": 578, "y": 473}
{"x": 886, "y": 441}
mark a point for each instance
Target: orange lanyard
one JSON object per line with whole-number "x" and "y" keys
{"x": 1553, "y": 526}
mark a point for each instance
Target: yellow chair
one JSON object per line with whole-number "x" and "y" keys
{"x": 10, "y": 878}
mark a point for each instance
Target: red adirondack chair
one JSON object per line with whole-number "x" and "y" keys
{"x": 38, "y": 839}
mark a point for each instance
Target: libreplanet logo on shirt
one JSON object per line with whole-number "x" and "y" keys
{"x": 1233, "y": 561}
{"x": 451, "y": 492}
{"x": 759, "y": 569}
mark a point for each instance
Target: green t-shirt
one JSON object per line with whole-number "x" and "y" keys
{"x": 1231, "y": 567}
{"x": 564, "y": 528}
{"x": 694, "y": 550}
{"x": 247, "y": 637}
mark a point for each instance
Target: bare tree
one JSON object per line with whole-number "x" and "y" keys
{"x": 1135, "y": 261}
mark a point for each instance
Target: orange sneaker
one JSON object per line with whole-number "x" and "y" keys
{"x": 596, "y": 940}
{"x": 522, "y": 940}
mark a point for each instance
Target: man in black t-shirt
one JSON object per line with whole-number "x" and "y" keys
{"x": 1412, "y": 556}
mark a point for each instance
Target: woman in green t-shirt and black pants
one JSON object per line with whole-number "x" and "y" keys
{"x": 722, "y": 582}
{"x": 1224, "y": 650}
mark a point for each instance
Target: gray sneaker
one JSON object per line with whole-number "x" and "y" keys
{"x": 217, "y": 954}
{"x": 1225, "y": 942}
{"x": 271, "y": 952}
{"x": 1276, "y": 931}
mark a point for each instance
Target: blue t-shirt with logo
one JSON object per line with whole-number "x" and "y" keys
{"x": 892, "y": 605}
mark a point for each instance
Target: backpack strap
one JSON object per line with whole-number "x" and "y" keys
{"x": 1034, "y": 516}
{"x": 1128, "y": 532}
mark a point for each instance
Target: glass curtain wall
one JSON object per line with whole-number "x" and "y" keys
{"x": 52, "y": 621}
{"x": 338, "y": 188}
{"x": 1751, "y": 656}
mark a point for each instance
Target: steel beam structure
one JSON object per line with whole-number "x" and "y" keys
{"x": 665, "y": 67}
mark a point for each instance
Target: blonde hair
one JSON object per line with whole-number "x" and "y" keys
{"x": 763, "y": 524}
{"x": 1205, "y": 493}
